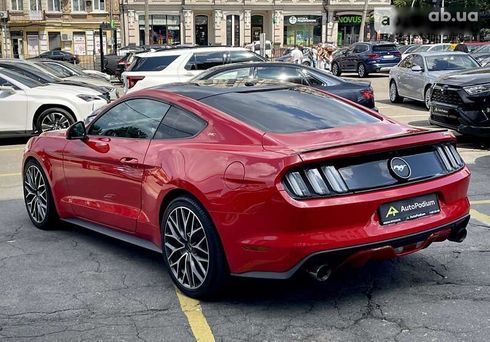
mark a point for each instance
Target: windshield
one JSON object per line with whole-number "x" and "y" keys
{"x": 422, "y": 48}
{"x": 54, "y": 71}
{"x": 47, "y": 76}
{"x": 28, "y": 82}
{"x": 450, "y": 62}
{"x": 482, "y": 49}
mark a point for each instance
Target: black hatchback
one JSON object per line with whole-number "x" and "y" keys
{"x": 461, "y": 101}
{"x": 356, "y": 91}
{"x": 366, "y": 58}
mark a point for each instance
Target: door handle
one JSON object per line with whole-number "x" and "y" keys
{"x": 129, "y": 161}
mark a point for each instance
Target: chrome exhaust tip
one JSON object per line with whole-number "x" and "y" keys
{"x": 321, "y": 272}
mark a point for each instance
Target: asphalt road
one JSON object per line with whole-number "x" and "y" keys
{"x": 70, "y": 284}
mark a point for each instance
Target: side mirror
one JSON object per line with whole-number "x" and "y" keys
{"x": 8, "y": 89}
{"x": 76, "y": 131}
{"x": 417, "y": 68}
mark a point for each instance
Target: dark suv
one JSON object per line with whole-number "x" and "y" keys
{"x": 461, "y": 101}
{"x": 365, "y": 58}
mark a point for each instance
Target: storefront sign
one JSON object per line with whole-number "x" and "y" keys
{"x": 349, "y": 19}
{"x": 302, "y": 20}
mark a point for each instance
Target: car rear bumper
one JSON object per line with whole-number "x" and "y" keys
{"x": 282, "y": 236}
{"x": 360, "y": 254}
{"x": 380, "y": 67}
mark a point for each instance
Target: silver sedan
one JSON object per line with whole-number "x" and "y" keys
{"x": 413, "y": 76}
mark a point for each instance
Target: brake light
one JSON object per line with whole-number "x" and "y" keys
{"x": 368, "y": 94}
{"x": 373, "y": 55}
{"x": 132, "y": 80}
{"x": 397, "y": 53}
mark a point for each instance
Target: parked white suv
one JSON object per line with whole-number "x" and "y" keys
{"x": 180, "y": 65}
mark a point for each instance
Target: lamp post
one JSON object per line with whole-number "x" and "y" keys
{"x": 363, "y": 21}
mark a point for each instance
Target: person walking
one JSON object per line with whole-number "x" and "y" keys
{"x": 320, "y": 62}
{"x": 461, "y": 46}
{"x": 297, "y": 55}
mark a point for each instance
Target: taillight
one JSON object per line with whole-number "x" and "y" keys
{"x": 368, "y": 94}
{"x": 450, "y": 157}
{"x": 315, "y": 181}
{"x": 374, "y": 55}
{"x": 132, "y": 80}
{"x": 397, "y": 54}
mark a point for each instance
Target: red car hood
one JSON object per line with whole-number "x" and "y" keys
{"x": 306, "y": 143}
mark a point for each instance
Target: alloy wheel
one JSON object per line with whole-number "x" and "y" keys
{"x": 335, "y": 69}
{"x": 186, "y": 248}
{"x": 36, "y": 195}
{"x": 393, "y": 92}
{"x": 427, "y": 99}
{"x": 54, "y": 121}
{"x": 361, "y": 71}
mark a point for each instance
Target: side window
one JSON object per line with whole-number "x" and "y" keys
{"x": 312, "y": 80}
{"x": 244, "y": 56}
{"x": 281, "y": 73}
{"x": 407, "y": 62}
{"x": 206, "y": 60}
{"x": 138, "y": 118}
{"x": 153, "y": 63}
{"x": 234, "y": 74}
{"x": 361, "y": 48}
{"x": 417, "y": 60}
{"x": 179, "y": 123}
{"x": 5, "y": 83}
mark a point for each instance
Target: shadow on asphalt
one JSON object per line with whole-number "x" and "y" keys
{"x": 410, "y": 104}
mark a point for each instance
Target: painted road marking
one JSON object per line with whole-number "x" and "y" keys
{"x": 480, "y": 216}
{"x": 10, "y": 174}
{"x": 407, "y": 116}
{"x": 11, "y": 149}
{"x": 480, "y": 202}
{"x": 199, "y": 325}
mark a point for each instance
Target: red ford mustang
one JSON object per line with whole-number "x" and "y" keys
{"x": 252, "y": 180}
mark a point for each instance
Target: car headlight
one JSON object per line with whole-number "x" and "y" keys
{"x": 89, "y": 98}
{"x": 477, "y": 89}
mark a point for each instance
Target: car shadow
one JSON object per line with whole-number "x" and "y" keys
{"x": 14, "y": 141}
{"x": 410, "y": 104}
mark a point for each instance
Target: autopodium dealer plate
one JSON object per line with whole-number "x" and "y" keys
{"x": 409, "y": 209}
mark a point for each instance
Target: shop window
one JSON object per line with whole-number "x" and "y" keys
{"x": 78, "y": 6}
{"x": 35, "y": 5}
{"x": 17, "y": 5}
{"x": 302, "y": 30}
{"x": 257, "y": 26}
{"x": 164, "y": 29}
{"x": 54, "y": 5}
{"x": 98, "y": 5}
{"x": 233, "y": 30}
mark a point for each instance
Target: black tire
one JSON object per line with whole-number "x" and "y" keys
{"x": 59, "y": 118}
{"x": 336, "y": 69}
{"x": 217, "y": 273}
{"x": 306, "y": 63}
{"x": 393, "y": 93}
{"x": 361, "y": 70}
{"x": 33, "y": 195}
{"x": 427, "y": 98}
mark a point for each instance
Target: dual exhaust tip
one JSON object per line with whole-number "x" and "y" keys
{"x": 322, "y": 272}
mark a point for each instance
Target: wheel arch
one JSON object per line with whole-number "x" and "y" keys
{"x": 43, "y": 107}
{"x": 178, "y": 192}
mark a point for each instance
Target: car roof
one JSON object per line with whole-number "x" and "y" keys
{"x": 232, "y": 66}
{"x": 440, "y": 53}
{"x": 180, "y": 51}
{"x": 199, "y": 90}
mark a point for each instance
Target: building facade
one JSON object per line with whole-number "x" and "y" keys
{"x": 36, "y": 26}
{"x": 239, "y": 22}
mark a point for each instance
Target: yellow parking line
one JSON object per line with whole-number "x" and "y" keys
{"x": 11, "y": 149}
{"x": 192, "y": 310}
{"x": 10, "y": 174}
{"x": 480, "y": 216}
{"x": 480, "y": 202}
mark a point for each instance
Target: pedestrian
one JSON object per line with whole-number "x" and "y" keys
{"x": 320, "y": 62}
{"x": 297, "y": 55}
{"x": 461, "y": 46}
{"x": 313, "y": 56}
{"x": 328, "y": 56}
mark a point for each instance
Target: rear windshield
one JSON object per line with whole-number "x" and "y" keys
{"x": 381, "y": 48}
{"x": 152, "y": 63}
{"x": 289, "y": 110}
